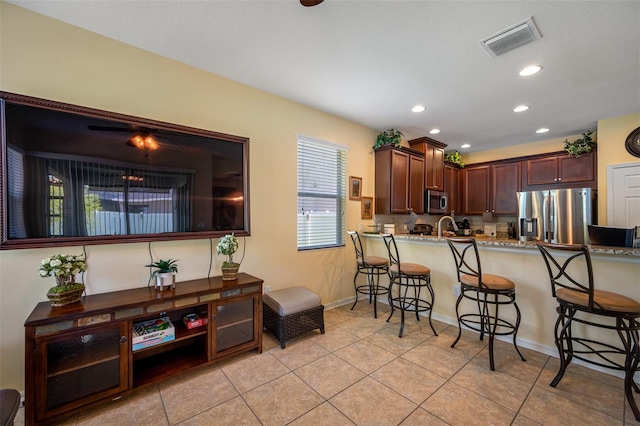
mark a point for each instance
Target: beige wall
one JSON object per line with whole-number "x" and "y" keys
{"x": 49, "y": 59}
{"x": 612, "y": 134}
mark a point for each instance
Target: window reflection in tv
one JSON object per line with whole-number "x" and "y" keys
{"x": 79, "y": 176}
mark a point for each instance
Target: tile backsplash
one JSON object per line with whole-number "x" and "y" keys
{"x": 499, "y": 224}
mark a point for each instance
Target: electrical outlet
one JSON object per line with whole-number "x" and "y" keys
{"x": 456, "y": 290}
{"x": 267, "y": 288}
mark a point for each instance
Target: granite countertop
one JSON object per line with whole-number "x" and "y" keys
{"x": 491, "y": 241}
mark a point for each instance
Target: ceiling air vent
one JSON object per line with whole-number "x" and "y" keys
{"x": 511, "y": 38}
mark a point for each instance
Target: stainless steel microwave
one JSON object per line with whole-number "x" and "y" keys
{"x": 435, "y": 202}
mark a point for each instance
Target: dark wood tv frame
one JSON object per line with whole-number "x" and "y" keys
{"x": 7, "y": 244}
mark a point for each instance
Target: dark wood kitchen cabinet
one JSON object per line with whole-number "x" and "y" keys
{"x": 399, "y": 181}
{"x": 452, "y": 187}
{"x": 434, "y": 161}
{"x": 561, "y": 170}
{"x": 491, "y": 188}
{"x": 505, "y": 183}
{"x": 476, "y": 181}
{"x": 82, "y": 353}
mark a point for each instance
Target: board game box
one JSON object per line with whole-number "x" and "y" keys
{"x": 152, "y": 332}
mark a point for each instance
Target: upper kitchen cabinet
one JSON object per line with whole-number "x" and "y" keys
{"x": 452, "y": 187}
{"x": 505, "y": 182}
{"x": 561, "y": 170}
{"x": 491, "y": 188}
{"x": 434, "y": 161}
{"x": 399, "y": 181}
{"x": 476, "y": 185}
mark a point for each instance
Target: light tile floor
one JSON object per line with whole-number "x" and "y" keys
{"x": 360, "y": 372}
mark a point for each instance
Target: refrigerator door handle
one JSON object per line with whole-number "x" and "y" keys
{"x": 552, "y": 219}
{"x": 545, "y": 218}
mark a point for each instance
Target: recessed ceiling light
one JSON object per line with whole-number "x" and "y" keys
{"x": 521, "y": 108}
{"x": 466, "y": 145}
{"x": 418, "y": 108}
{"x": 542, "y": 130}
{"x": 530, "y": 70}
{"x": 434, "y": 131}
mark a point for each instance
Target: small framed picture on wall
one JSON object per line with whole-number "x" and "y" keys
{"x": 355, "y": 188}
{"x": 367, "y": 208}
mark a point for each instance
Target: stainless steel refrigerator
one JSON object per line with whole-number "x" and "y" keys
{"x": 556, "y": 216}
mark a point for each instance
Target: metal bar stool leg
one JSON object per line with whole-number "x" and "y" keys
{"x": 458, "y": 318}
{"x": 355, "y": 286}
{"x": 631, "y": 365}
{"x": 561, "y": 338}
{"x": 515, "y": 332}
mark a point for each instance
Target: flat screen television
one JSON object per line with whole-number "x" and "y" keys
{"x": 73, "y": 175}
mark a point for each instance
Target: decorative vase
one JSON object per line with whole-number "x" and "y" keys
{"x": 230, "y": 273}
{"x": 66, "y": 297}
{"x": 165, "y": 279}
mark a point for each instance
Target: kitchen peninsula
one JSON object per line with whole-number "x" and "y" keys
{"x": 615, "y": 269}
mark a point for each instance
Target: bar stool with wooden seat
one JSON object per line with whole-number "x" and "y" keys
{"x": 489, "y": 292}
{"x": 373, "y": 267}
{"x": 572, "y": 284}
{"x": 411, "y": 280}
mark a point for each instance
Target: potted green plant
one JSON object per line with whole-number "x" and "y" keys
{"x": 389, "y": 137}
{"x": 64, "y": 267}
{"x": 454, "y": 157}
{"x": 580, "y": 146}
{"x": 165, "y": 273}
{"x": 227, "y": 246}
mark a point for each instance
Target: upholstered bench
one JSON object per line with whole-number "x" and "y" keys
{"x": 292, "y": 311}
{"x": 9, "y": 404}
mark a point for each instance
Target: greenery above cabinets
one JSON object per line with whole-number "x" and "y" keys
{"x": 389, "y": 137}
{"x": 455, "y": 158}
{"x": 583, "y": 145}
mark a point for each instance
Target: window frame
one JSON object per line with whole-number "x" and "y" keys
{"x": 339, "y": 193}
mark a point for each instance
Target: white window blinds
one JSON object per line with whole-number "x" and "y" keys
{"x": 321, "y": 194}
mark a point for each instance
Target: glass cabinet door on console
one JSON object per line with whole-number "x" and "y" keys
{"x": 234, "y": 324}
{"x": 84, "y": 365}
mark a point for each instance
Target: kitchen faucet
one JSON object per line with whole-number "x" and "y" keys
{"x": 455, "y": 227}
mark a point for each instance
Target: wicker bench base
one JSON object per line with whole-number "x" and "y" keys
{"x": 290, "y": 326}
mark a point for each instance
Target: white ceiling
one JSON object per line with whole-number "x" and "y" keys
{"x": 372, "y": 61}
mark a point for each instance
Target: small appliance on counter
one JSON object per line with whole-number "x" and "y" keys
{"x": 611, "y": 236}
{"x": 466, "y": 227}
{"x": 422, "y": 229}
{"x": 376, "y": 228}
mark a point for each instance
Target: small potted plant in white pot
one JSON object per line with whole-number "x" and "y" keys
{"x": 64, "y": 267}
{"x": 165, "y": 273}
{"x": 227, "y": 246}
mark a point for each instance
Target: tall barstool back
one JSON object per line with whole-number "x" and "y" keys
{"x": 412, "y": 281}
{"x": 488, "y": 292}
{"x": 572, "y": 284}
{"x": 373, "y": 267}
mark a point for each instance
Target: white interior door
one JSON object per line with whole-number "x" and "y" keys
{"x": 623, "y": 199}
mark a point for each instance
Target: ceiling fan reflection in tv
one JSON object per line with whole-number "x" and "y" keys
{"x": 144, "y": 138}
